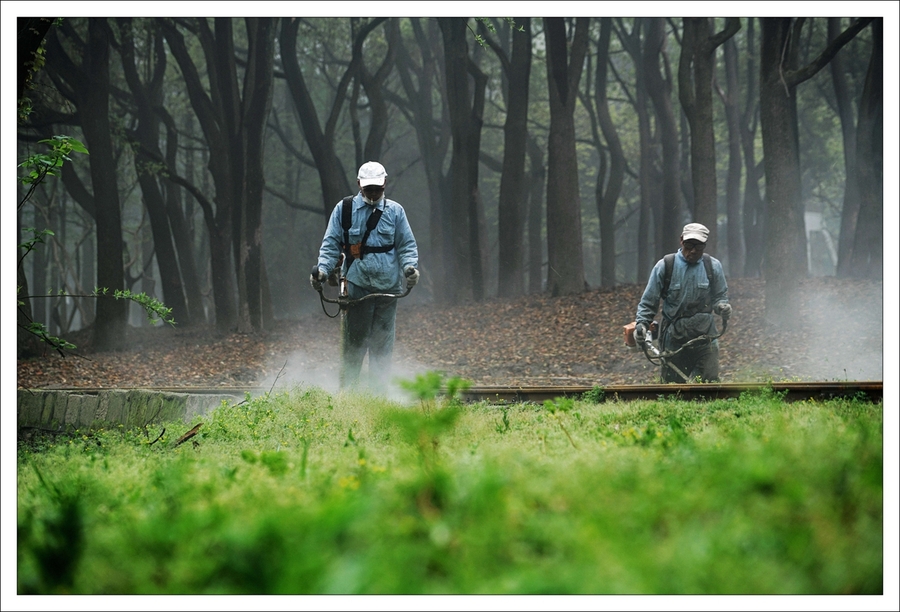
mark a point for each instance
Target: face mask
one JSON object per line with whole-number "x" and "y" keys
{"x": 370, "y": 201}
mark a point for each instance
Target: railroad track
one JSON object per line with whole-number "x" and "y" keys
{"x": 792, "y": 391}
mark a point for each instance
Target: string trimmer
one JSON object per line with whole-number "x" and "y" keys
{"x": 664, "y": 358}
{"x": 343, "y": 299}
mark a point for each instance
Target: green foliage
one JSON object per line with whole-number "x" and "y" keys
{"x": 309, "y": 493}
{"x": 428, "y": 386}
{"x": 41, "y": 165}
{"x": 595, "y": 396}
{"x": 557, "y": 406}
{"x": 37, "y": 167}
{"x": 157, "y": 312}
{"x": 486, "y": 22}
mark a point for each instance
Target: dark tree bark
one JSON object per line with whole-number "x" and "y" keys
{"x": 867, "y": 258}
{"x": 512, "y": 212}
{"x": 780, "y": 75}
{"x": 30, "y": 35}
{"x": 321, "y": 142}
{"x": 733, "y": 181}
{"x": 754, "y": 210}
{"x": 374, "y": 86}
{"x": 181, "y": 233}
{"x": 565, "y": 274}
{"x": 257, "y": 101}
{"x": 695, "y": 83}
{"x": 609, "y": 182}
{"x": 667, "y": 220}
{"x": 146, "y": 96}
{"x": 88, "y": 84}
{"x": 419, "y": 80}
{"x": 233, "y": 117}
{"x": 850, "y": 206}
{"x": 537, "y": 180}
{"x": 219, "y": 218}
{"x": 465, "y": 105}
{"x": 649, "y": 176}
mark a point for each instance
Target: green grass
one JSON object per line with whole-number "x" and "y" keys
{"x": 311, "y": 493}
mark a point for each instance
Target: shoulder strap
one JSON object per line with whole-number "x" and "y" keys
{"x": 351, "y": 253}
{"x": 346, "y": 215}
{"x": 707, "y": 263}
{"x": 670, "y": 263}
{"x": 667, "y": 277}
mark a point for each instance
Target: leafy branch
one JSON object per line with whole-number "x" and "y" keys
{"x": 41, "y": 165}
{"x": 485, "y": 21}
{"x": 157, "y": 312}
{"x": 36, "y": 168}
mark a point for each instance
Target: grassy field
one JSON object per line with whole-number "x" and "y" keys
{"x": 312, "y": 493}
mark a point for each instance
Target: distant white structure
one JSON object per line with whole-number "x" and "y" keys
{"x": 817, "y": 234}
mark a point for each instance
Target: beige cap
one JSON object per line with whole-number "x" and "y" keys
{"x": 695, "y": 231}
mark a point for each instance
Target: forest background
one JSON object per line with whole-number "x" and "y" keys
{"x": 548, "y": 158}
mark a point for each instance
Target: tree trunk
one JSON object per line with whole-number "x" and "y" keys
{"x": 146, "y": 97}
{"x": 210, "y": 111}
{"x": 512, "y": 212}
{"x": 754, "y": 211}
{"x": 607, "y": 198}
{"x": 433, "y": 137}
{"x": 537, "y": 177}
{"x": 181, "y": 234}
{"x": 786, "y": 260}
{"x": 668, "y": 222}
{"x": 850, "y": 207}
{"x": 110, "y": 325}
{"x": 565, "y": 274}
{"x": 733, "y": 182}
{"x": 374, "y": 86}
{"x": 27, "y": 344}
{"x": 332, "y": 176}
{"x": 254, "y": 113}
{"x": 868, "y": 250}
{"x": 695, "y": 79}
{"x": 465, "y": 108}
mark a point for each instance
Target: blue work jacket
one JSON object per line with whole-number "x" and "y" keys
{"x": 374, "y": 272}
{"x": 688, "y": 287}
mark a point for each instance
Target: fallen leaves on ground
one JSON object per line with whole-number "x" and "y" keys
{"x": 531, "y": 340}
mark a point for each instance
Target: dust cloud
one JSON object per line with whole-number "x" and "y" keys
{"x": 840, "y": 335}
{"x": 305, "y": 369}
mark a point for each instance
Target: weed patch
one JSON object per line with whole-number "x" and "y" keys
{"x": 308, "y": 492}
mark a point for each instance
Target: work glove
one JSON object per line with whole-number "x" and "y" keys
{"x": 316, "y": 278}
{"x": 412, "y": 276}
{"x": 640, "y": 333}
{"x": 723, "y": 309}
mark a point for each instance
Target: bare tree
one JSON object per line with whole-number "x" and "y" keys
{"x": 780, "y": 74}
{"x": 695, "y": 83}
{"x": 565, "y": 61}
{"x": 87, "y": 85}
{"x": 466, "y": 111}
{"x": 512, "y": 214}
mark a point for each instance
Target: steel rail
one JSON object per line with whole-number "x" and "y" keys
{"x": 869, "y": 390}
{"x": 790, "y": 391}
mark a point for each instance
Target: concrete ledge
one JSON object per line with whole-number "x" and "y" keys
{"x": 71, "y": 410}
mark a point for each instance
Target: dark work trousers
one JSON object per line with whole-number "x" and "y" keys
{"x": 367, "y": 326}
{"x": 701, "y": 361}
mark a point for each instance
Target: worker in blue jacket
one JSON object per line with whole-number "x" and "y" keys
{"x": 691, "y": 290}
{"x": 380, "y": 256}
